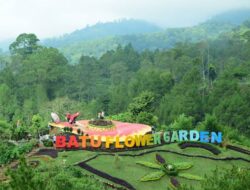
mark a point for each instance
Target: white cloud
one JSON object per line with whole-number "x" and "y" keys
{"x": 54, "y": 17}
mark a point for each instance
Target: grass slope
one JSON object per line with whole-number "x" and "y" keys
{"x": 127, "y": 169}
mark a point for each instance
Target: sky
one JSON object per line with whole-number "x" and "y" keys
{"x": 50, "y": 18}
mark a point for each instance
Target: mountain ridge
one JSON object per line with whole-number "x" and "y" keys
{"x": 91, "y": 40}
{"x": 163, "y": 39}
{"x": 102, "y": 30}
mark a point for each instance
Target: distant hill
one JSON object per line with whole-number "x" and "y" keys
{"x": 110, "y": 35}
{"x": 101, "y": 37}
{"x": 155, "y": 40}
{"x": 4, "y": 45}
{"x": 236, "y": 17}
{"x": 102, "y": 30}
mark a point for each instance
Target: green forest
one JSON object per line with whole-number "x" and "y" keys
{"x": 201, "y": 84}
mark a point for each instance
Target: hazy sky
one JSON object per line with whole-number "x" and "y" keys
{"x": 47, "y": 18}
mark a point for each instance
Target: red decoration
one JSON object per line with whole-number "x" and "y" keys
{"x": 72, "y": 117}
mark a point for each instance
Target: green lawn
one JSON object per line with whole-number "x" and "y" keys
{"x": 127, "y": 169}
{"x": 132, "y": 172}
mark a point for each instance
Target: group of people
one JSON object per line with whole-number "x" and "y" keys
{"x": 101, "y": 115}
{"x": 71, "y": 118}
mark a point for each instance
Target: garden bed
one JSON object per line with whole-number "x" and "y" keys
{"x": 238, "y": 149}
{"x": 101, "y": 123}
{"x": 208, "y": 147}
{"x": 106, "y": 176}
{"x": 103, "y": 166}
{"x": 53, "y": 153}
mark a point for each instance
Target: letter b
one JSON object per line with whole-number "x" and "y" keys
{"x": 60, "y": 141}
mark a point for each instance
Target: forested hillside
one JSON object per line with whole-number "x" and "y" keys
{"x": 138, "y": 95}
{"x": 196, "y": 83}
{"x": 102, "y": 30}
{"x": 193, "y": 78}
{"x": 96, "y": 40}
{"x": 164, "y": 39}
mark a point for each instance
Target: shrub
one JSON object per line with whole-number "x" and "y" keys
{"x": 21, "y": 178}
{"x": 25, "y": 148}
{"x": 4, "y": 125}
{"x": 142, "y": 103}
{"x": 10, "y": 151}
{"x": 210, "y": 123}
{"x": 78, "y": 131}
{"x": 7, "y": 152}
{"x": 147, "y": 118}
{"x": 48, "y": 143}
{"x": 190, "y": 176}
{"x": 182, "y": 122}
{"x": 70, "y": 129}
{"x": 66, "y": 129}
{"x": 125, "y": 117}
{"x": 223, "y": 179}
{"x": 149, "y": 164}
{"x": 153, "y": 176}
{"x": 117, "y": 161}
{"x": 162, "y": 127}
{"x": 20, "y": 133}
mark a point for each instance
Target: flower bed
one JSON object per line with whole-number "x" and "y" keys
{"x": 106, "y": 176}
{"x": 48, "y": 152}
{"x": 208, "y": 147}
{"x": 121, "y": 129}
{"x": 238, "y": 149}
{"x": 101, "y": 123}
{"x": 85, "y": 164}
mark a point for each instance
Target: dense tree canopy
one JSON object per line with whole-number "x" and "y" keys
{"x": 25, "y": 44}
{"x": 194, "y": 80}
{"x": 203, "y": 85}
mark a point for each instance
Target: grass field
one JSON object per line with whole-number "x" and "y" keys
{"x": 126, "y": 168}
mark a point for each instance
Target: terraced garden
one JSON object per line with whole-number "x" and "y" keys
{"x": 120, "y": 169}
